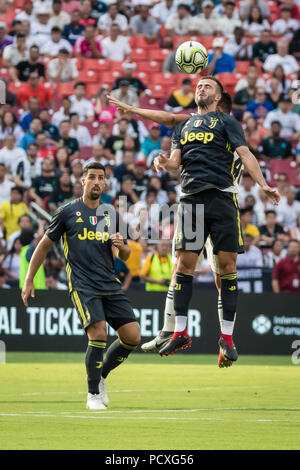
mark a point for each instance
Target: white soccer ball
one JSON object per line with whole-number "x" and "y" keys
{"x": 191, "y": 57}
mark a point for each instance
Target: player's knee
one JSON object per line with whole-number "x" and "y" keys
{"x": 130, "y": 334}
{"x": 97, "y": 331}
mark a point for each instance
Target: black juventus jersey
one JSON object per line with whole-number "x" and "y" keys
{"x": 208, "y": 159}
{"x": 87, "y": 245}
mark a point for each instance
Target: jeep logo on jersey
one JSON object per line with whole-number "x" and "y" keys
{"x": 204, "y": 137}
{"x": 90, "y": 235}
{"x": 93, "y": 219}
{"x": 198, "y": 123}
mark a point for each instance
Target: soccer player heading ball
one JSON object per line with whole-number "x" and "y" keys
{"x": 89, "y": 235}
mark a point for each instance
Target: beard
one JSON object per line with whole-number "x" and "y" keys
{"x": 93, "y": 195}
{"x": 204, "y": 103}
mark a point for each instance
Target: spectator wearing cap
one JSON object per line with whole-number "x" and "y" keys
{"x": 80, "y": 133}
{"x": 182, "y": 98}
{"x": 180, "y": 23}
{"x": 283, "y": 58}
{"x": 89, "y": 45}
{"x": 73, "y": 30}
{"x": 22, "y": 70}
{"x": 125, "y": 94}
{"x": 255, "y": 23}
{"x": 112, "y": 16}
{"x": 62, "y": 68}
{"x": 286, "y": 25}
{"x": 274, "y": 146}
{"x": 260, "y": 107}
{"x": 5, "y": 39}
{"x": 218, "y": 60}
{"x": 237, "y": 46}
{"x": 227, "y": 23}
{"x": 40, "y": 31}
{"x": 115, "y": 47}
{"x": 264, "y": 47}
{"x": 11, "y": 211}
{"x": 153, "y": 141}
{"x": 59, "y": 18}
{"x": 37, "y": 89}
{"x": 289, "y": 120}
{"x": 162, "y": 10}
{"x": 55, "y": 44}
{"x": 204, "y": 23}
{"x": 286, "y": 273}
{"x": 144, "y": 25}
{"x": 135, "y": 83}
{"x": 15, "y": 53}
{"x": 80, "y": 104}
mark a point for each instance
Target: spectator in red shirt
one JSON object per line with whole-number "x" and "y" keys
{"x": 88, "y": 45}
{"x": 37, "y": 89}
{"x": 44, "y": 149}
{"x": 286, "y": 273}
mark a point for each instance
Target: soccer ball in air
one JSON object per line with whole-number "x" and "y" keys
{"x": 191, "y": 57}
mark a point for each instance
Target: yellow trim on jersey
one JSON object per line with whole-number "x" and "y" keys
{"x": 68, "y": 267}
{"x": 79, "y": 305}
{"x": 238, "y": 219}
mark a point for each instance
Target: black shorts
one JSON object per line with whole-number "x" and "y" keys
{"x": 210, "y": 212}
{"x": 115, "y": 309}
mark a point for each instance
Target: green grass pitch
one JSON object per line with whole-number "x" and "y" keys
{"x": 182, "y": 402}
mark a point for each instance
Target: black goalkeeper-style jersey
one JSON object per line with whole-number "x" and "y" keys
{"x": 208, "y": 158}
{"x": 87, "y": 246}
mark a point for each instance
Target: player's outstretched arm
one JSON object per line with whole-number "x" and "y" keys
{"x": 253, "y": 168}
{"x": 38, "y": 257}
{"x": 161, "y": 117}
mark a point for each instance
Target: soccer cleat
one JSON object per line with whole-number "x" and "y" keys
{"x": 227, "y": 355}
{"x": 178, "y": 341}
{"x": 94, "y": 402}
{"x": 157, "y": 343}
{"x": 102, "y": 392}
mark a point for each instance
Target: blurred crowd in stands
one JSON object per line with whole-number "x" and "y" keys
{"x": 58, "y": 62}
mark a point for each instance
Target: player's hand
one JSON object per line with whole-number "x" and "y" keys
{"x": 272, "y": 194}
{"x": 160, "y": 162}
{"x": 28, "y": 289}
{"x": 119, "y": 104}
{"x": 117, "y": 240}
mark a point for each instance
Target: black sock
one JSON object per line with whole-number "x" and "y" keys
{"x": 117, "y": 352}
{"x": 183, "y": 290}
{"x": 229, "y": 294}
{"x": 93, "y": 363}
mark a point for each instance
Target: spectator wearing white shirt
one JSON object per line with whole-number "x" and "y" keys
{"x": 59, "y": 18}
{"x": 273, "y": 256}
{"x": 238, "y": 47}
{"x": 250, "y": 80}
{"x": 5, "y": 185}
{"x": 63, "y": 114}
{"x": 219, "y": 10}
{"x": 255, "y": 24}
{"x": 180, "y": 23}
{"x": 15, "y": 53}
{"x": 288, "y": 210}
{"x": 80, "y": 133}
{"x": 27, "y": 13}
{"x": 116, "y": 47}
{"x": 9, "y": 125}
{"x": 252, "y": 257}
{"x": 283, "y": 58}
{"x": 227, "y": 23}
{"x": 80, "y": 104}
{"x": 55, "y": 43}
{"x": 112, "y": 16}
{"x": 205, "y": 23}
{"x": 246, "y": 6}
{"x": 144, "y": 25}
{"x": 285, "y": 26}
{"x": 40, "y": 30}
{"x": 289, "y": 120}
{"x": 246, "y": 188}
{"x": 62, "y": 68}
{"x": 162, "y": 10}
{"x": 16, "y": 162}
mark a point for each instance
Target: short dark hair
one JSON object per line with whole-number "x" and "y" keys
{"x": 93, "y": 166}
{"x": 77, "y": 84}
{"x": 226, "y": 102}
{"x": 270, "y": 211}
{"x": 18, "y": 189}
{"x": 55, "y": 29}
{"x": 246, "y": 209}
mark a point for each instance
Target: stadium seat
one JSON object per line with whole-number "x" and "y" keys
{"x": 139, "y": 54}
{"x": 92, "y": 89}
{"x": 158, "y": 91}
{"x": 165, "y": 78}
{"x": 65, "y": 89}
{"x": 144, "y": 77}
{"x": 91, "y": 126}
{"x": 158, "y": 54}
{"x": 149, "y": 66}
{"x": 242, "y": 66}
{"x": 108, "y": 78}
{"x": 229, "y": 81}
{"x": 96, "y": 64}
{"x": 116, "y": 66}
{"x": 141, "y": 42}
{"x": 284, "y": 166}
{"x": 88, "y": 76}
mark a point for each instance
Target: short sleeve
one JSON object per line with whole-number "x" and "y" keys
{"x": 176, "y": 137}
{"x": 57, "y": 225}
{"x": 234, "y": 132}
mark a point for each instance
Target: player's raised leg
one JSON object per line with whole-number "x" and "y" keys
{"x": 183, "y": 291}
{"x": 229, "y": 295}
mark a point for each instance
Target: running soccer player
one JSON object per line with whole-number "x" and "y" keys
{"x": 89, "y": 235}
{"x": 204, "y": 147}
{"x": 171, "y": 119}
